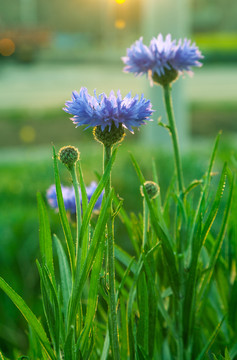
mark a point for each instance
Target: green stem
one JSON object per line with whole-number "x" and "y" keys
{"x": 174, "y": 135}
{"x": 145, "y": 223}
{"x": 111, "y": 266}
{"x": 78, "y": 207}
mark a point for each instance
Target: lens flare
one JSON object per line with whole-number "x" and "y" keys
{"x": 7, "y": 47}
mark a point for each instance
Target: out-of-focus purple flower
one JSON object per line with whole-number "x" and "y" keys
{"x": 104, "y": 111}
{"x": 160, "y": 55}
{"x": 69, "y": 197}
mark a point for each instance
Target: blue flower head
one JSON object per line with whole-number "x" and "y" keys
{"x": 161, "y": 57}
{"x": 104, "y": 111}
{"x": 69, "y": 197}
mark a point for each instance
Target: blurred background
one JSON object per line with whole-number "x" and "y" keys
{"x": 50, "y": 48}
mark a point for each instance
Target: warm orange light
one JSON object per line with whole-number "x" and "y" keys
{"x": 120, "y": 24}
{"x": 7, "y": 47}
{"x": 120, "y": 1}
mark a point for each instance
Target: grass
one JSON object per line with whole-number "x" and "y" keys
{"x": 19, "y": 217}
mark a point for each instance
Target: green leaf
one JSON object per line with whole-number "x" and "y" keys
{"x": 213, "y": 156}
{"x": 190, "y": 289}
{"x": 227, "y": 355}
{"x": 69, "y": 346}
{"x": 81, "y": 276}
{"x": 46, "y": 249}
{"x": 63, "y": 215}
{"x": 143, "y": 324}
{"x": 210, "y": 340}
{"x": 192, "y": 186}
{"x": 153, "y": 304}
{"x": 65, "y": 274}
{"x": 205, "y": 189}
{"x": 92, "y": 297}
{"x": 123, "y": 330}
{"x": 217, "y": 246}
{"x": 83, "y": 189}
{"x": 51, "y": 305}
{"x": 29, "y": 316}
{"x": 124, "y": 258}
{"x": 94, "y": 198}
{"x": 215, "y": 206}
{"x": 2, "y": 357}
{"x": 169, "y": 257}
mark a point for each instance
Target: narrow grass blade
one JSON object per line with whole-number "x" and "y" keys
{"x": 51, "y": 303}
{"x": 169, "y": 256}
{"x": 65, "y": 274}
{"x": 63, "y": 215}
{"x": 46, "y": 248}
{"x": 217, "y": 246}
{"x": 152, "y": 306}
{"x": 29, "y": 316}
{"x": 143, "y": 324}
{"x": 213, "y": 156}
{"x": 210, "y": 341}
{"x": 81, "y": 276}
{"x": 131, "y": 301}
{"x": 124, "y": 278}
{"x": 69, "y": 346}
{"x": 123, "y": 329}
{"x": 190, "y": 289}
{"x": 125, "y": 258}
{"x": 129, "y": 226}
{"x": 92, "y": 297}
{"x": 94, "y": 198}
{"x": 2, "y": 357}
{"x": 83, "y": 189}
{"x": 192, "y": 186}
{"x": 215, "y": 206}
{"x": 205, "y": 188}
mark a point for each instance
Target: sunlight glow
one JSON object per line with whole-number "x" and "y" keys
{"x": 120, "y": 1}
{"x": 120, "y": 24}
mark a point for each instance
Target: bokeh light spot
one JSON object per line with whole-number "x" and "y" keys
{"x": 120, "y": 24}
{"x": 120, "y": 1}
{"x": 7, "y": 47}
{"x": 27, "y": 134}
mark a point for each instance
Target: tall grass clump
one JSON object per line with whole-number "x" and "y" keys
{"x": 173, "y": 296}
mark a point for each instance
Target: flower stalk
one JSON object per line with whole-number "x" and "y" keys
{"x": 78, "y": 206}
{"x": 174, "y": 135}
{"x": 111, "y": 265}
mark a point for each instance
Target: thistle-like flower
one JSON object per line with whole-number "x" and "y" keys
{"x": 163, "y": 60}
{"x": 69, "y": 197}
{"x": 103, "y": 111}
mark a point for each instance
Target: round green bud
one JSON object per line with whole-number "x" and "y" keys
{"x": 69, "y": 155}
{"x": 152, "y": 189}
{"x": 109, "y": 137}
{"x": 168, "y": 77}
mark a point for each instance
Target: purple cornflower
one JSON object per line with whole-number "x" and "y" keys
{"x": 105, "y": 111}
{"x": 161, "y": 55}
{"x": 69, "y": 197}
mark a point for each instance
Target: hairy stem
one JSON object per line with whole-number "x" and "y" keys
{"x": 111, "y": 266}
{"x": 174, "y": 135}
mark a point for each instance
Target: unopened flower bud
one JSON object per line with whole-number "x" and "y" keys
{"x": 152, "y": 189}
{"x": 168, "y": 77}
{"x": 111, "y": 136}
{"x": 69, "y": 155}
